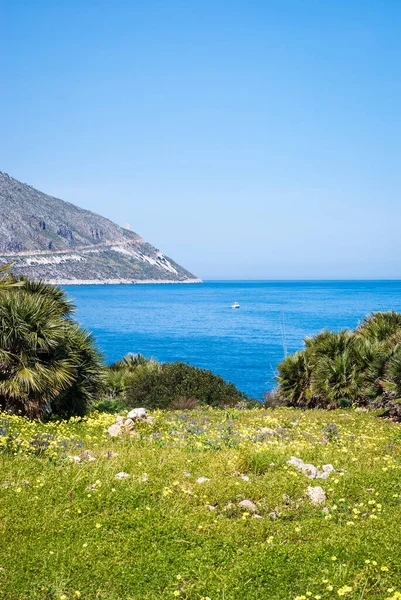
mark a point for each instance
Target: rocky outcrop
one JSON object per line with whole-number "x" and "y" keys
{"x": 59, "y": 242}
{"x": 311, "y": 471}
{"x": 126, "y": 425}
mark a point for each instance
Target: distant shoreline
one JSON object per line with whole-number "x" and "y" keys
{"x": 119, "y": 281}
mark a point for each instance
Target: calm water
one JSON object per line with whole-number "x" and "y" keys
{"x": 194, "y": 323}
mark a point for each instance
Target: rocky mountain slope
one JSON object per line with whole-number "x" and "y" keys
{"x": 58, "y": 242}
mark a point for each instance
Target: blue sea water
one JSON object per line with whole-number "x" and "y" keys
{"x": 196, "y": 324}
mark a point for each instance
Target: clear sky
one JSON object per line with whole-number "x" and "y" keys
{"x": 252, "y": 139}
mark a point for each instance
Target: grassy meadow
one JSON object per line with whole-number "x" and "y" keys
{"x": 70, "y": 529}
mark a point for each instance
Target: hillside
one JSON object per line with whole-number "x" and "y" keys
{"x": 59, "y": 242}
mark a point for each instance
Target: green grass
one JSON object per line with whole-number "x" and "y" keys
{"x": 71, "y": 530}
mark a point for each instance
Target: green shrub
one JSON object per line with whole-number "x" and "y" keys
{"x": 121, "y": 374}
{"x": 361, "y": 367}
{"x": 106, "y": 405}
{"x": 47, "y": 362}
{"x": 162, "y": 387}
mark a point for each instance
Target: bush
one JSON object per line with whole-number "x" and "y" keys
{"x": 165, "y": 386}
{"x": 121, "y": 374}
{"x": 47, "y": 362}
{"x": 361, "y": 367}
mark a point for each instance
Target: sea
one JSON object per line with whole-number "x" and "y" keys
{"x": 196, "y": 324}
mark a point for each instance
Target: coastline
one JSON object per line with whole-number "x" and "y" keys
{"x": 120, "y": 281}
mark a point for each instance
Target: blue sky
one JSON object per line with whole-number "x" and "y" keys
{"x": 247, "y": 140}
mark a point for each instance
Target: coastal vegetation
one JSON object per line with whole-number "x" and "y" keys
{"x": 209, "y": 496}
{"x": 349, "y": 368}
{"x": 138, "y": 381}
{"x": 48, "y": 364}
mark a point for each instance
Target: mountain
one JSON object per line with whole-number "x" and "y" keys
{"x": 58, "y": 242}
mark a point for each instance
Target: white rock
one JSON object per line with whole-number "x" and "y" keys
{"x": 248, "y": 505}
{"x": 244, "y": 477}
{"x": 297, "y": 462}
{"x": 202, "y": 480}
{"x": 137, "y": 414}
{"x": 266, "y": 431}
{"x": 76, "y": 459}
{"x": 317, "y": 495}
{"x": 121, "y": 475}
{"x": 114, "y": 430}
{"x": 120, "y": 420}
{"x": 210, "y": 507}
{"x": 128, "y": 425}
{"x": 310, "y": 470}
{"x": 256, "y": 517}
{"x": 88, "y": 456}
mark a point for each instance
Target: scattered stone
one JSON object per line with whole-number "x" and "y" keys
{"x": 210, "y": 507}
{"x": 145, "y": 478}
{"x": 266, "y": 431}
{"x": 250, "y": 506}
{"x": 128, "y": 425}
{"x": 202, "y": 480}
{"x": 121, "y": 475}
{"x": 310, "y": 470}
{"x": 187, "y": 474}
{"x": 327, "y": 469}
{"x": 256, "y": 517}
{"x": 114, "y": 430}
{"x": 244, "y": 477}
{"x": 93, "y": 487}
{"x": 75, "y": 459}
{"x": 317, "y": 495}
{"x": 137, "y": 414}
{"x": 273, "y": 515}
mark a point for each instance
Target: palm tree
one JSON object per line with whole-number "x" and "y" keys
{"x": 329, "y": 343}
{"x": 133, "y": 361}
{"x": 294, "y": 375}
{"x": 380, "y": 326}
{"x": 46, "y": 360}
{"x": 79, "y": 350}
{"x": 122, "y": 373}
{"x": 337, "y": 379}
{"x": 7, "y": 281}
{"x": 31, "y": 371}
